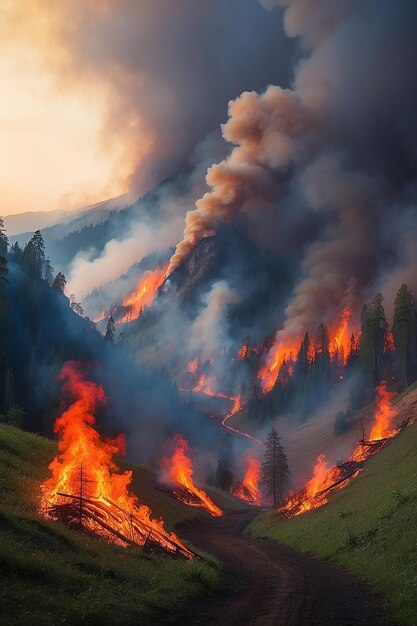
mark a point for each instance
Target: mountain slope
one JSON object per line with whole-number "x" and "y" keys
{"x": 371, "y": 525}
{"x": 51, "y": 574}
{"x": 23, "y": 225}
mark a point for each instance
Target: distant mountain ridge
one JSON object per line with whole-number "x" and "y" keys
{"x": 24, "y": 224}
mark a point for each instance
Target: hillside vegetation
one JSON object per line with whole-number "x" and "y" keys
{"x": 370, "y": 526}
{"x": 53, "y": 575}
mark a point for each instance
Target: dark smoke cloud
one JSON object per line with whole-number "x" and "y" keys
{"x": 341, "y": 143}
{"x": 169, "y": 68}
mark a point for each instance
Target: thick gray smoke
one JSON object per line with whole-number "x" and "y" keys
{"x": 208, "y": 333}
{"x": 341, "y": 144}
{"x": 167, "y": 67}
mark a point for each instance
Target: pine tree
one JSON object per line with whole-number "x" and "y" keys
{"x": 33, "y": 257}
{"x": 3, "y": 264}
{"x": 59, "y": 283}
{"x": 405, "y": 336}
{"x": 370, "y": 360}
{"x": 320, "y": 368}
{"x": 48, "y": 272}
{"x": 275, "y": 470}
{"x": 373, "y": 338}
{"x": 110, "y": 331}
{"x": 224, "y": 472}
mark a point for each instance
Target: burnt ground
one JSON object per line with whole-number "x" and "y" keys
{"x": 266, "y": 583}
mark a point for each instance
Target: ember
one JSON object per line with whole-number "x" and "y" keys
{"x": 87, "y": 489}
{"x": 180, "y": 472}
{"x": 248, "y": 489}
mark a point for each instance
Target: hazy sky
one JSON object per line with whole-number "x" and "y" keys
{"x": 97, "y": 96}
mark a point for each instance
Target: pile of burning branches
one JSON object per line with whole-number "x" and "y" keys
{"x": 248, "y": 488}
{"x": 178, "y": 473}
{"x": 326, "y": 480}
{"x": 87, "y": 489}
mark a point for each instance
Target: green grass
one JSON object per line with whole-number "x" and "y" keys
{"x": 50, "y": 574}
{"x": 370, "y": 526}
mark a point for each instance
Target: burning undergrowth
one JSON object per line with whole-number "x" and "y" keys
{"x": 87, "y": 490}
{"x": 326, "y": 479}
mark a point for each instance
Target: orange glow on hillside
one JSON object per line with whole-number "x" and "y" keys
{"x": 144, "y": 293}
{"x": 327, "y": 479}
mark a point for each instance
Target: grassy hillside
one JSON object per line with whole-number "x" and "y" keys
{"x": 52, "y": 575}
{"x": 370, "y": 526}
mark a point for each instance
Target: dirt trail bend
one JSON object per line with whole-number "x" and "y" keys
{"x": 266, "y": 583}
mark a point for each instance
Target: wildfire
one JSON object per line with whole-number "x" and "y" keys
{"x": 327, "y": 479}
{"x": 346, "y": 315}
{"x": 243, "y": 352}
{"x": 86, "y": 488}
{"x": 285, "y": 352}
{"x": 180, "y": 472}
{"x": 278, "y": 354}
{"x": 248, "y": 489}
{"x": 144, "y": 293}
{"x": 193, "y": 366}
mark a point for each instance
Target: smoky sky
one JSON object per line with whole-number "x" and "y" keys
{"x": 170, "y": 69}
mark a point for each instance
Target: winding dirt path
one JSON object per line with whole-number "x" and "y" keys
{"x": 266, "y": 583}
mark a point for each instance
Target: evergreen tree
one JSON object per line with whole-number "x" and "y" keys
{"x": 405, "y": 336}
{"x": 373, "y": 338}
{"x": 320, "y": 368}
{"x": 275, "y": 470}
{"x": 33, "y": 257}
{"x": 16, "y": 253}
{"x": 224, "y": 472}
{"x": 76, "y": 306}
{"x": 110, "y": 331}
{"x": 59, "y": 283}
{"x": 372, "y": 361}
{"x": 48, "y": 272}
{"x": 3, "y": 264}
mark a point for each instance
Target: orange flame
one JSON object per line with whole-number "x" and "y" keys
{"x": 243, "y": 352}
{"x": 192, "y": 366}
{"x": 144, "y": 293}
{"x": 84, "y": 469}
{"x": 248, "y": 489}
{"x": 384, "y": 415}
{"x": 268, "y": 374}
{"x": 180, "y": 471}
{"x": 326, "y": 480}
{"x": 285, "y": 352}
{"x": 389, "y": 345}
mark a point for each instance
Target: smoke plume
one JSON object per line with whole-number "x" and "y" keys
{"x": 209, "y": 334}
{"x": 164, "y": 69}
{"x": 341, "y": 143}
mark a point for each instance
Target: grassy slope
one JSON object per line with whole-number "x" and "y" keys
{"x": 370, "y": 526}
{"x": 52, "y": 575}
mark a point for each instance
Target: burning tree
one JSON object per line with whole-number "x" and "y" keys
{"x": 275, "y": 471}
{"x": 87, "y": 489}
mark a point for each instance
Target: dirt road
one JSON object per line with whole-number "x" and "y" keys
{"x": 266, "y": 583}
